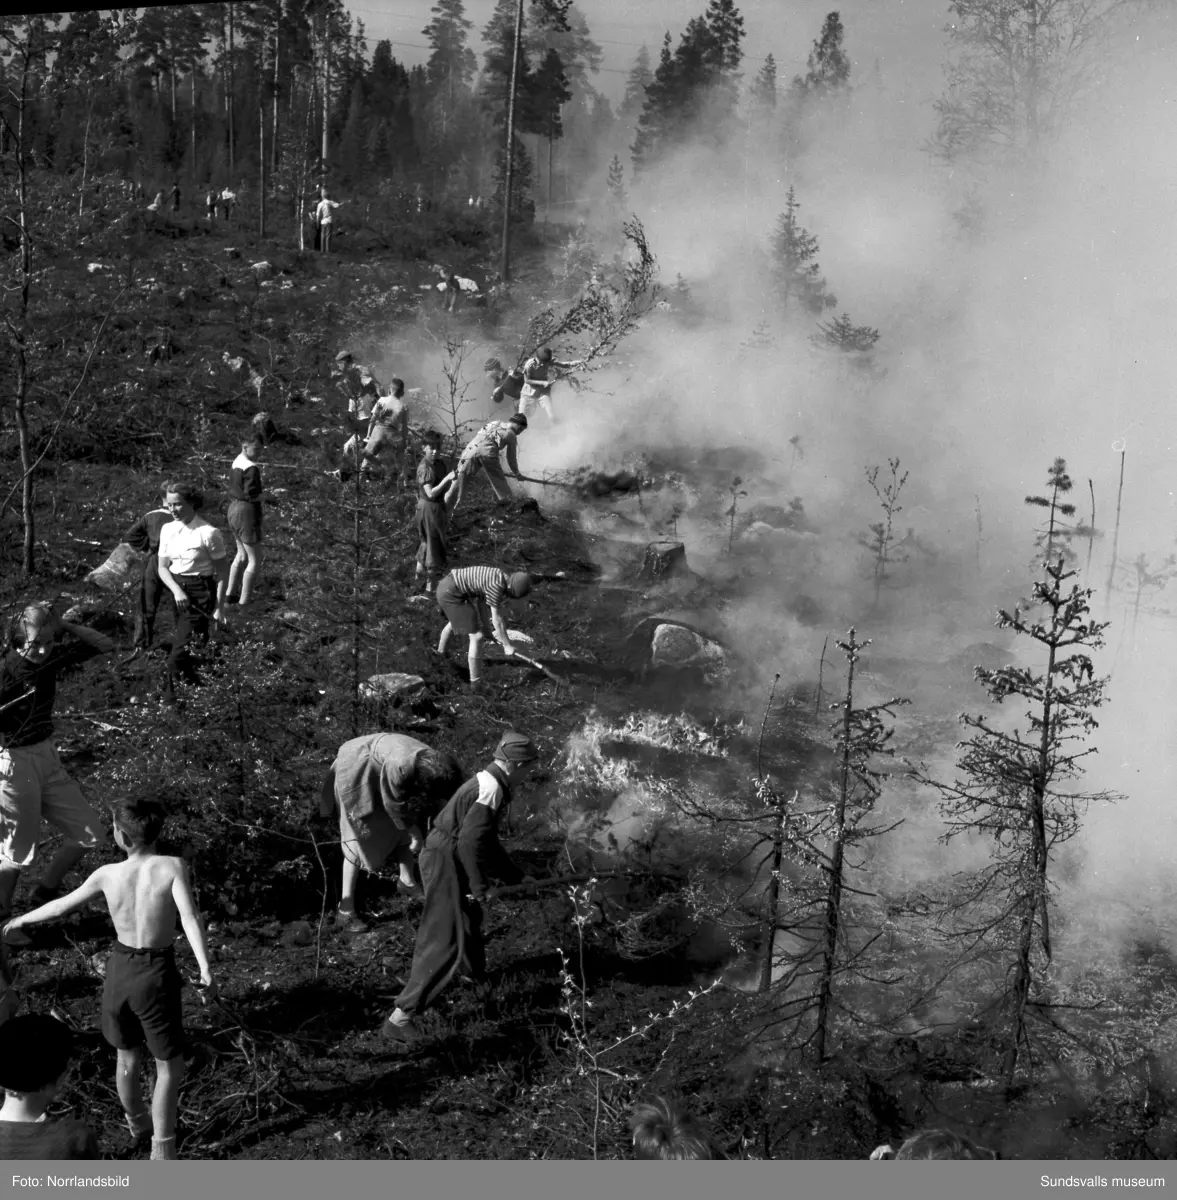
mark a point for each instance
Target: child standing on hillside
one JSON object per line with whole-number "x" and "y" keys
{"x": 245, "y": 519}
{"x": 35, "y": 1053}
{"x": 141, "y": 997}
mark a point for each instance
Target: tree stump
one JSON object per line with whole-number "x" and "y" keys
{"x": 663, "y": 559}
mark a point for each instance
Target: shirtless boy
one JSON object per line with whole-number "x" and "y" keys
{"x": 141, "y": 998}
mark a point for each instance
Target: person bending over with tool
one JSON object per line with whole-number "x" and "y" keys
{"x": 472, "y": 599}
{"x": 388, "y": 788}
{"x": 482, "y": 453}
{"x": 462, "y": 855}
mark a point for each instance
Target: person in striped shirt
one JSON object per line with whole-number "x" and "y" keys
{"x": 472, "y": 599}
{"x": 245, "y": 519}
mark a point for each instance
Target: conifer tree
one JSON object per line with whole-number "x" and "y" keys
{"x": 797, "y": 276}
{"x": 1017, "y": 786}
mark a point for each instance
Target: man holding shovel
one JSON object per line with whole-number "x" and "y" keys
{"x": 461, "y": 855}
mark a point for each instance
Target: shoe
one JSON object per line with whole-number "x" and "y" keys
{"x": 405, "y": 1035}
{"x": 410, "y": 889}
{"x": 350, "y": 922}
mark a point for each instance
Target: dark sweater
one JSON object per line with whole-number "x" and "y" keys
{"x": 245, "y": 479}
{"x": 46, "y": 1140}
{"x": 144, "y": 534}
{"x": 474, "y": 830}
{"x": 31, "y": 689}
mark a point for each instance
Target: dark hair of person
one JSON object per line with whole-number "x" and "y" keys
{"x": 141, "y": 819}
{"x": 35, "y": 1050}
{"x": 187, "y": 491}
{"x": 661, "y": 1130}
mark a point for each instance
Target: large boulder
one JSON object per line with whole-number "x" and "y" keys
{"x": 667, "y": 644}
{"x": 678, "y": 646}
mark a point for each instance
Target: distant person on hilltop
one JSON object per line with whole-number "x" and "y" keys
{"x": 176, "y": 196}
{"x": 228, "y": 199}
{"x": 324, "y": 218}
{"x": 210, "y": 204}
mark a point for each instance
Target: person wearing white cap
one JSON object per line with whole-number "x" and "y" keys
{"x": 462, "y": 854}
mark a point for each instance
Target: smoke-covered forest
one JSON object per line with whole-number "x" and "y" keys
{"x": 848, "y": 523}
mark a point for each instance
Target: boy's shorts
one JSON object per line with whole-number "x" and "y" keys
{"x": 245, "y": 521}
{"x": 141, "y": 1001}
{"x": 465, "y": 614}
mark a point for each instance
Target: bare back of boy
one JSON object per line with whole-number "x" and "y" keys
{"x": 145, "y": 896}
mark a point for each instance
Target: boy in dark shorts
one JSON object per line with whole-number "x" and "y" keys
{"x": 471, "y": 598}
{"x": 245, "y": 519}
{"x": 35, "y": 1053}
{"x": 141, "y": 997}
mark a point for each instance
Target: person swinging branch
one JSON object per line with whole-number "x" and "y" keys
{"x": 462, "y": 855}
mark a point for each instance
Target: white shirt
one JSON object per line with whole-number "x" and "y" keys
{"x": 388, "y": 410}
{"x": 323, "y": 210}
{"x": 192, "y": 548}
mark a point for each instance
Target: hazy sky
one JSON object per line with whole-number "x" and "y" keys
{"x": 906, "y": 36}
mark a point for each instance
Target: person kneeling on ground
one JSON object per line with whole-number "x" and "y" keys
{"x": 35, "y": 1054}
{"x": 482, "y": 452}
{"x": 471, "y": 600}
{"x": 141, "y": 995}
{"x": 33, "y": 783}
{"x": 462, "y": 853}
{"x": 387, "y": 787}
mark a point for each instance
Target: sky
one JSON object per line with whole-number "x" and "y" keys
{"x": 906, "y": 36}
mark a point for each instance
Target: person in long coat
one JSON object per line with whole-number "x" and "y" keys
{"x": 387, "y": 787}
{"x": 433, "y": 481}
{"x": 462, "y": 856}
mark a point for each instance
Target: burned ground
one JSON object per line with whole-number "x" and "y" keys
{"x": 601, "y": 992}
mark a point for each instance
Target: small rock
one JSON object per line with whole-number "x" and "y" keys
{"x": 419, "y": 598}
{"x": 263, "y": 270}
{"x": 395, "y": 684}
